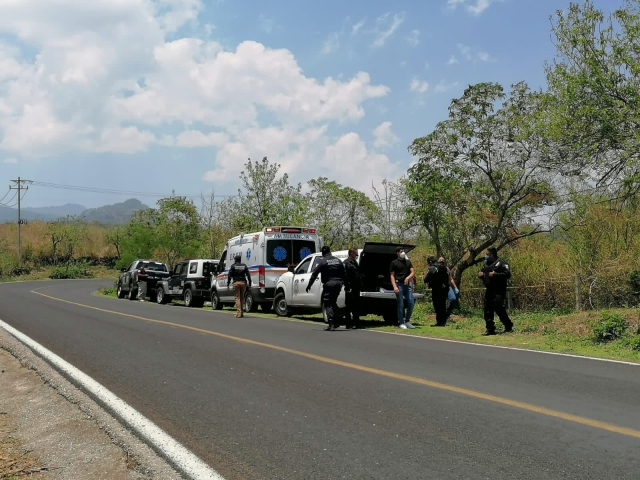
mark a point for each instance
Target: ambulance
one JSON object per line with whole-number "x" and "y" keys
{"x": 268, "y": 254}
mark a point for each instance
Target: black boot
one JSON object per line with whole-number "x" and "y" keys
{"x": 488, "y": 333}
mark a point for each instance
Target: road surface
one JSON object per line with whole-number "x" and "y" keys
{"x": 266, "y": 398}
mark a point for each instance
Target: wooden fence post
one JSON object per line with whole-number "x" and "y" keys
{"x": 509, "y": 300}
{"x": 578, "y": 293}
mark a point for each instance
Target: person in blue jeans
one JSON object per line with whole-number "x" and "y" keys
{"x": 402, "y": 272}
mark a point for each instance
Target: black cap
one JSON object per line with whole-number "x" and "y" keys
{"x": 325, "y": 250}
{"x": 238, "y": 257}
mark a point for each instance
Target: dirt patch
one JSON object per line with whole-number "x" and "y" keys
{"x": 51, "y": 430}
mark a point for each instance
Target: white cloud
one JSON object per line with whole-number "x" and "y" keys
{"x": 115, "y": 76}
{"x": 443, "y": 86}
{"x": 266, "y": 24}
{"x": 414, "y": 38}
{"x": 345, "y": 157}
{"x": 452, "y": 61}
{"x": 474, "y": 54}
{"x": 331, "y": 44}
{"x": 10, "y": 160}
{"x": 386, "y": 26}
{"x": 383, "y": 136}
{"x": 355, "y": 29}
{"x": 419, "y": 86}
{"x": 474, "y": 7}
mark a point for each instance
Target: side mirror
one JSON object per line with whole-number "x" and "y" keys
{"x": 291, "y": 268}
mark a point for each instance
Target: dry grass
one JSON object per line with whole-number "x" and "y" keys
{"x": 15, "y": 460}
{"x": 34, "y": 236}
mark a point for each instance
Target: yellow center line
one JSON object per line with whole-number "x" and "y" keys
{"x": 384, "y": 373}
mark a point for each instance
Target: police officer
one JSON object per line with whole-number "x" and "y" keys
{"x": 352, "y": 288}
{"x": 495, "y": 274}
{"x": 333, "y": 276}
{"x": 437, "y": 278}
{"x": 239, "y": 274}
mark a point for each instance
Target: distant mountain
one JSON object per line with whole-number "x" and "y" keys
{"x": 116, "y": 213}
{"x": 61, "y": 211}
{"x": 11, "y": 215}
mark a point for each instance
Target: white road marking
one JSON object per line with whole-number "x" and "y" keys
{"x": 462, "y": 342}
{"x": 177, "y": 454}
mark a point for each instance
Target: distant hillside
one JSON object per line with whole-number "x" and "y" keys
{"x": 116, "y": 213}
{"x": 61, "y": 211}
{"x": 11, "y": 215}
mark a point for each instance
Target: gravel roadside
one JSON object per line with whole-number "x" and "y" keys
{"x": 49, "y": 429}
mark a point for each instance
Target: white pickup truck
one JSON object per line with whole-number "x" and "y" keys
{"x": 377, "y": 297}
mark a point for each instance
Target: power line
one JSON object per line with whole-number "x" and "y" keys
{"x": 80, "y": 188}
{"x": 9, "y": 201}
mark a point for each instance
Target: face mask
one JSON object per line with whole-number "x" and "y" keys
{"x": 486, "y": 257}
{"x": 403, "y": 255}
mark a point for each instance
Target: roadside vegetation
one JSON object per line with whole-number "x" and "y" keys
{"x": 550, "y": 177}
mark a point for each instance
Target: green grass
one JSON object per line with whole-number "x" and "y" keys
{"x": 561, "y": 331}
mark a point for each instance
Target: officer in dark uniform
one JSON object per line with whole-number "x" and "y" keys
{"x": 241, "y": 278}
{"x": 333, "y": 276}
{"x": 437, "y": 278}
{"x": 352, "y": 288}
{"x": 495, "y": 274}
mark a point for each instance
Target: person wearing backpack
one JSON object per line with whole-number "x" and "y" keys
{"x": 437, "y": 279}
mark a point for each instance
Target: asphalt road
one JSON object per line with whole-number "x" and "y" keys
{"x": 265, "y": 398}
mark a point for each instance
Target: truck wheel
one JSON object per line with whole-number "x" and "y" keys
{"x": 133, "y": 293}
{"x": 120, "y": 293}
{"x": 161, "y": 298}
{"x": 215, "y": 301}
{"x": 188, "y": 298}
{"x": 266, "y": 307}
{"x": 280, "y": 305}
{"x": 249, "y": 304}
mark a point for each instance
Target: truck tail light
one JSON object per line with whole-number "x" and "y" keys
{"x": 261, "y": 280}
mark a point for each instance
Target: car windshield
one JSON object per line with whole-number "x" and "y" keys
{"x": 155, "y": 266}
{"x": 287, "y": 253}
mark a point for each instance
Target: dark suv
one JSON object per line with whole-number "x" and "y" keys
{"x": 190, "y": 281}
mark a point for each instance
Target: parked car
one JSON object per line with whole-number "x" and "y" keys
{"x": 190, "y": 281}
{"x": 377, "y": 296}
{"x": 128, "y": 279}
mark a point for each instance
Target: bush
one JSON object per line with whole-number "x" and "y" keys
{"x": 634, "y": 343}
{"x": 610, "y": 326}
{"x": 69, "y": 271}
{"x": 108, "y": 291}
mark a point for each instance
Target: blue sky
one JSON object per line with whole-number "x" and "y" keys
{"x": 162, "y": 95}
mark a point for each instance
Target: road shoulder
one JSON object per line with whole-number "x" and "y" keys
{"x": 67, "y": 434}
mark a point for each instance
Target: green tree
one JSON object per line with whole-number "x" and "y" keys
{"x": 344, "y": 216}
{"x": 592, "y": 111}
{"x": 177, "y": 229}
{"x": 266, "y": 198}
{"x": 479, "y": 180}
{"x": 139, "y": 239}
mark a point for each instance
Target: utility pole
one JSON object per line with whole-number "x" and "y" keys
{"x": 19, "y": 187}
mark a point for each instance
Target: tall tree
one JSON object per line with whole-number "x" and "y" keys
{"x": 392, "y": 222}
{"x": 177, "y": 228}
{"x": 593, "y": 108}
{"x": 266, "y": 198}
{"x": 343, "y": 215}
{"x": 479, "y": 180}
